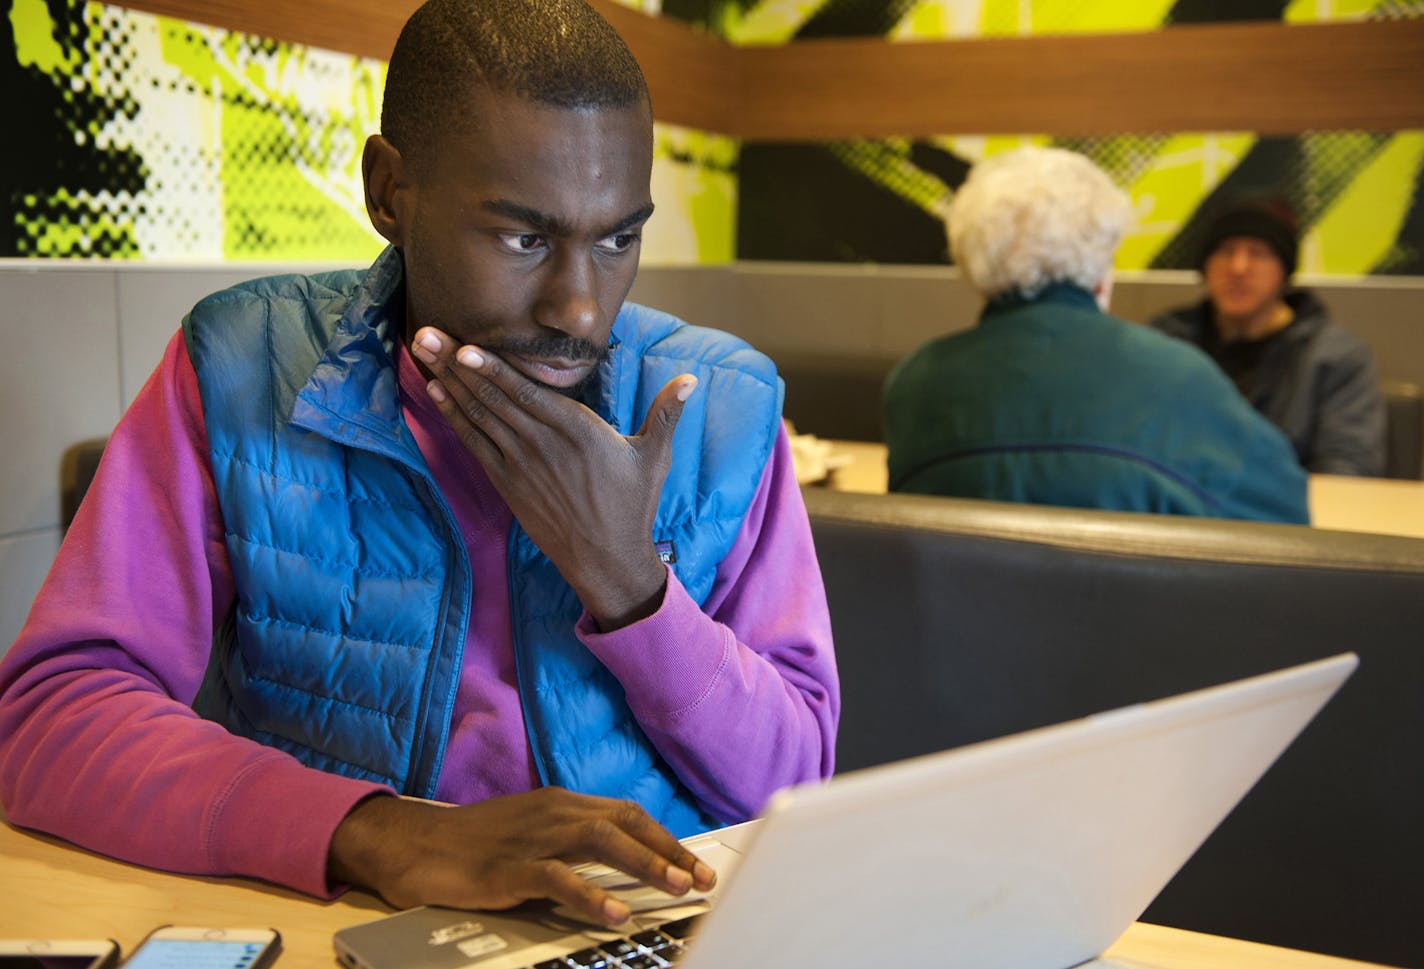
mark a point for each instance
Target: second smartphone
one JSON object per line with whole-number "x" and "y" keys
{"x": 188, "y": 947}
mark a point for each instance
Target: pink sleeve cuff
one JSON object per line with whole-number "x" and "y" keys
{"x": 278, "y": 818}
{"x": 667, "y": 662}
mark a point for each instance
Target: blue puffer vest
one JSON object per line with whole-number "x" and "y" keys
{"x": 353, "y": 584}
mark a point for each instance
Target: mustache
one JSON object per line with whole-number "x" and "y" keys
{"x": 572, "y": 349}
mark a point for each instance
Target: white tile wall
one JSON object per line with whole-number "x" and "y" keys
{"x": 705, "y": 295}
{"x": 24, "y": 560}
{"x": 829, "y": 309}
{"x": 79, "y": 339}
{"x": 58, "y": 383}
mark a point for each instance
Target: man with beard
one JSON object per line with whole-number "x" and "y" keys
{"x": 464, "y": 526}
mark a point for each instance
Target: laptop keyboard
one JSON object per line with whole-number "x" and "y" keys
{"x": 648, "y": 949}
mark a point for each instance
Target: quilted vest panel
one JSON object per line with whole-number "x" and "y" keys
{"x": 585, "y": 737}
{"x": 344, "y": 644}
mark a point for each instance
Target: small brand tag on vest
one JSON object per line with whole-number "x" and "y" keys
{"x": 667, "y": 552}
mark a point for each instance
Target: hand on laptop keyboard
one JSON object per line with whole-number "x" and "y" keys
{"x": 506, "y": 850}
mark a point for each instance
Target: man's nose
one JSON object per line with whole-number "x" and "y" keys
{"x": 568, "y": 300}
{"x": 1239, "y": 259}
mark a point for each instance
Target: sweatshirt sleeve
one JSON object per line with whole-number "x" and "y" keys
{"x": 741, "y": 696}
{"x": 98, "y": 743}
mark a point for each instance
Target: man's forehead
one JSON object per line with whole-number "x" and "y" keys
{"x": 489, "y": 125}
{"x": 486, "y": 111}
{"x": 589, "y": 168}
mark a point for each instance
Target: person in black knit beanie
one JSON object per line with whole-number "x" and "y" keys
{"x": 1310, "y": 376}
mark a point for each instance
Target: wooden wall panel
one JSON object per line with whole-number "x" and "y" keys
{"x": 1268, "y": 78}
{"x": 691, "y": 76}
{"x": 366, "y": 28}
{"x": 1264, "y": 77}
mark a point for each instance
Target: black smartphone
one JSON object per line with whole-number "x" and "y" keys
{"x": 58, "y": 953}
{"x": 198, "y": 947}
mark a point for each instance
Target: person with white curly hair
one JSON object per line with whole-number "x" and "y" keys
{"x": 1049, "y": 399}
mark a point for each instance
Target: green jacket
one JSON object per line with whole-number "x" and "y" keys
{"x": 1051, "y": 401}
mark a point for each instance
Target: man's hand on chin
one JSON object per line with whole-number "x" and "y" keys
{"x": 586, "y": 494}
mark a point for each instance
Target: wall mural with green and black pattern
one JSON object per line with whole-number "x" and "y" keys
{"x": 145, "y": 137}
{"x": 158, "y": 139}
{"x": 1359, "y": 196}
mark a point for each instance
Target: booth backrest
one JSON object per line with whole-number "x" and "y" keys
{"x": 1404, "y": 425}
{"x": 958, "y": 621}
{"x": 77, "y": 467}
{"x": 835, "y": 396}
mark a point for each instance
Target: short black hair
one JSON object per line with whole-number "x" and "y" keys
{"x": 556, "y": 52}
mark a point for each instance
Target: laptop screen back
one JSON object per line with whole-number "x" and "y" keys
{"x": 1032, "y": 850}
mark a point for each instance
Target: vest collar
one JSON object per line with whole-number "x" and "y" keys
{"x": 610, "y": 374}
{"x": 353, "y": 395}
{"x": 634, "y": 330}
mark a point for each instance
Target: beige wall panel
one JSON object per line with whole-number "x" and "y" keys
{"x": 921, "y": 303}
{"x": 876, "y": 313}
{"x": 58, "y": 380}
{"x": 705, "y": 295}
{"x": 24, "y": 562}
{"x": 1389, "y": 317}
{"x": 812, "y": 309}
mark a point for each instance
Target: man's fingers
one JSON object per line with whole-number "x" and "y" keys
{"x": 469, "y": 419}
{"x": 661, "y": 841}
{"x": 608, "y": 842}
{"x": 511, "y": 408}
{"x": 430, "y": 345}
{"x": 556, "y": 880}
{"x": 517, "y": 395}
{"x": 472, "y": 405}
{"x": 631, "y": 841}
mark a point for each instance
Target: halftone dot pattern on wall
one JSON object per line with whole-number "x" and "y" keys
{"x": 155, "y": 138}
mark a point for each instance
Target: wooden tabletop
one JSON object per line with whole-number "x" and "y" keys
{"x": 1383, "y": 506}
{"x": 50, "y": 889}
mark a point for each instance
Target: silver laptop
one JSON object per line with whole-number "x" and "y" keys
{"x": 1034, "y": 851}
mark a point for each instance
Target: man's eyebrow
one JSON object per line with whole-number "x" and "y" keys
{"x": 546, "y": 224}
{"x": 642, "y": 215}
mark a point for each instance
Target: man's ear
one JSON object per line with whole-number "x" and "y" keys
{"x": 387, "y": 188}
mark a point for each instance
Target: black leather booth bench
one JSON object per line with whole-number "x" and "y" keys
{"x": 958, "y": 620}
